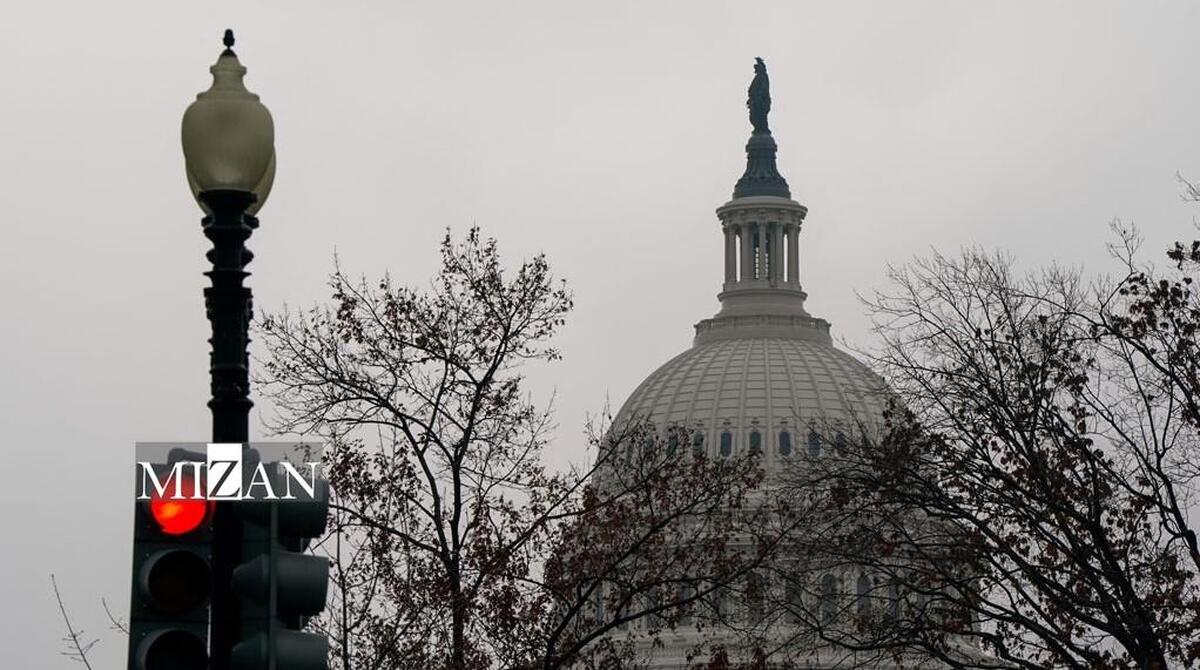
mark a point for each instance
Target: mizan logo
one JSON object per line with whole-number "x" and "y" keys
{"x": 224, "y": 476}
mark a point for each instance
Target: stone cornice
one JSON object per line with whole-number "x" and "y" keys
{"x": 785, "y": 326}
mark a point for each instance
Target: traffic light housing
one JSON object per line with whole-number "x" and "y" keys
{"x": 280, "y": 586}
{"x": 172, "y": 570}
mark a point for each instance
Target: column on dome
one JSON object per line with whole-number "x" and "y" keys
{"x": 730, "y": 254}
{"x": 747, "y": 234}
{"x": 793, "y": 253}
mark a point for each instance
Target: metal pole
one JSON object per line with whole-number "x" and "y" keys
{"x": 228, "y": 303}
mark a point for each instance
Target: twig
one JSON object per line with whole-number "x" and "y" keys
{"x": 114, "y": 621}
{"x": 73, "y": 636}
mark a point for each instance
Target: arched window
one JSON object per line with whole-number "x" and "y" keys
{"x": 726, "y": 443}
{"x": 651, "y": 601}
{"x": 785, "y": 443}
{"x": 672, "y": 441}
{"x": 756, "y": 442}
{"x": 793, "y": 595}
{"x": 863, "y": 596}
{"x": 698, "y": 443}
{"x": 756, "y": 596}
{"x": 894, "y": 599}
{"x": 619, "y": 609}
{"x": 686, "y": 593}
{"x": 814, "y": 444}
{"x": 918, "y": 604}
{"x": 720, "y": 603}
{"x": 839, "y": 444}
{"x": 598, "y": 602}
{"x": 829, "y": 598}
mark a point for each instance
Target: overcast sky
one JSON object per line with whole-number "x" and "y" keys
{"x": 603, "y": 133}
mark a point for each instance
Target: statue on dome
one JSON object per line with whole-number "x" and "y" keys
{"x": 760, "y": 97}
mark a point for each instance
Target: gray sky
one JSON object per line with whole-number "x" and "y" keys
{"x": 602, "y": 133}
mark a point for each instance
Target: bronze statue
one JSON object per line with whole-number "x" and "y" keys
{"x": 762, "y": 175}
{"x": 760, "y": 97}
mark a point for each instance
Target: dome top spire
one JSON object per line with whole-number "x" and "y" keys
{"x": 762, "y": 175}
{"x": 761, "y": 295}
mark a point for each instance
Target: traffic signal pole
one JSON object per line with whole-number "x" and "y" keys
{"x": 229, "y": 307}
{"x": 228, "y": 141}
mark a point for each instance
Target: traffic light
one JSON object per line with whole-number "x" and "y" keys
{"x": 279, "y": 585}
{"x": 172, "y": 571}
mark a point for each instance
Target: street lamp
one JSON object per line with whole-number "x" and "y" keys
{"x": 229, "y": 152}
{"x": 228, "y": 136}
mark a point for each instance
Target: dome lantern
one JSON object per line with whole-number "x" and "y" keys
{"x": 761, "y": 295}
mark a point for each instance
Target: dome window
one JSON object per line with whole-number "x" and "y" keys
{"x": 894, "y": 599}
{"x": 598, "y": 602}
{"x": 829, "y": 598}
{"x": 785, "y": 443}
{"x": 726, "y": 443}
{"x": 756, "y": 596}
{"x": 793, "y": 596}
{"x": 672, "y": 443}
{"x": 863, "y": 601}
{"x": 755, "y": 442}
{"x": 814, "y": 444}
{"x": 720, "y": 603}
{"x": 839, "y": 444}
{"x": 698, "y": 443}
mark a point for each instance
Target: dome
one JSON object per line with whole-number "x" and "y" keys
{"x": 762, "y": 374}
{"x": 768, "y": 385}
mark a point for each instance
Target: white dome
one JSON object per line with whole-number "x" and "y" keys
{"x": 762, "y": 374}
{"x": 769, "y": 385}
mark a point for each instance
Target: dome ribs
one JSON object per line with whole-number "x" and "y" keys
{"x": 711, "y": 358}
{"x": 765, "y": 379}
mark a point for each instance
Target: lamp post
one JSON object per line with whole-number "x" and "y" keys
{"x": 229, "y": 152}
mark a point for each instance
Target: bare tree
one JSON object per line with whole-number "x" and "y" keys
{"x": 1030, "y": 502}
{"x": 453, "y": 545}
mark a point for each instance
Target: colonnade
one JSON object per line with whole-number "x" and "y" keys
{"x": 758, "y": 251}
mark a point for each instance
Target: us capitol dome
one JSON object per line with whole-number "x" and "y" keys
{"x": 762, "y": 374}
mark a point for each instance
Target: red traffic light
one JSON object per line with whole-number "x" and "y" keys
{"x": 178, "y": 516}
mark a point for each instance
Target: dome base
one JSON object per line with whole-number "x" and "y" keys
{"x": 782, "y": 326}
